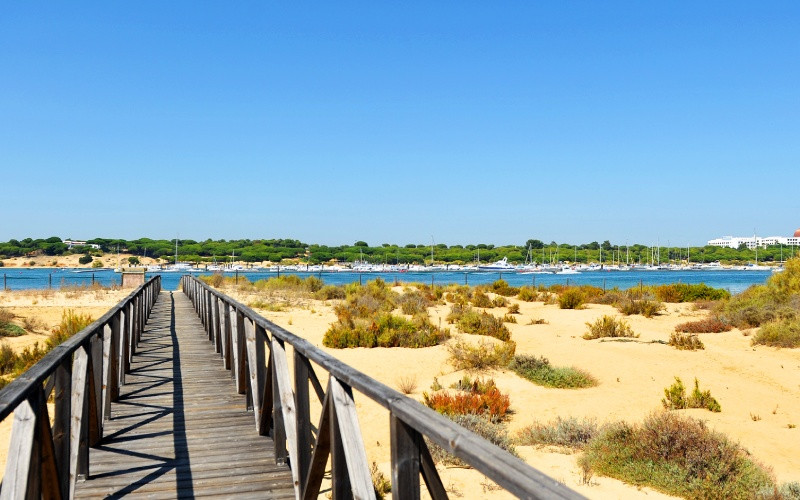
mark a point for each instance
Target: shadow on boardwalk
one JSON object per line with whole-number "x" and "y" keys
{"x": 179, "y": 429}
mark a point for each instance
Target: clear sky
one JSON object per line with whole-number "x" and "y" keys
{"x": 400, "y": 122}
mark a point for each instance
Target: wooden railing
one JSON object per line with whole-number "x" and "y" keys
{"x": 84, "y": 375}
{"x": 254, "y": 349}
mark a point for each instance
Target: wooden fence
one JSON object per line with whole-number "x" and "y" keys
{"x": 254, "y": 349}
{"x": 84, "y": 375}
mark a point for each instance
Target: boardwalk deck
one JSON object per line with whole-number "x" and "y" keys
{"x": 179, "y": 428}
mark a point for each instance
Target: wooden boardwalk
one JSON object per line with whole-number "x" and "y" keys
{"x": 179, "y": 429}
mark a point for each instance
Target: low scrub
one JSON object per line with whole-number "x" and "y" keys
{"x": 675, "y": 397}
{"x": 759, "y": 305}
{"x": 684, "y": 292}
{"x": 568, "y": 432}
{"x": 646, "y": 307}
{"x": 708, "y": 325}
{"x": 330, "y": 292}
{"x": 480, "y": 299}
{"x": 528, "y": 294}
{"x": 608, "y": 326}
{"x": 679, "y": 456}
{"x": 685, "y": 341}
{"x": 571, "y": 298}
{"x": 71, "y": 323}
{"x": 784, "y": 333}
{"x": 384, "y": 330}
{"x": 501, "y": 287}
{"x": 474, "y": 322}
{"x": 495, "y": 433}
{"x": 539, "y": 371}
{"x": 480, "y": 356}
{"x": 491, "y": 404}
{"x": 414, "y": 302}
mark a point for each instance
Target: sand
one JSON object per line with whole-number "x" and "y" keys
{"x": 757, "y": 387}
{"x": 46, "y": 308}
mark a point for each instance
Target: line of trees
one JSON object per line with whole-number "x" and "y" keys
{"x": 281, "y": 250}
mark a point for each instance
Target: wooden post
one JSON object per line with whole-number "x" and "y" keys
{"x": 21, "y": 449}
{"x": 303, "y": 459}
{"x": 78, "y": 459}
{"x": 348, "y": 442}
{"x": 241, "y": 353}
{"x": 62, "y": 422}
{"x": 405, "y": 443}
{"x": 105, "y": 395}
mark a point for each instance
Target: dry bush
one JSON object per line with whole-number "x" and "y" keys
{"x": 513, "y": 309}
{"x": 569, "y": 432}
{"x": 480, "y": 299}
{"x": 479, "y": 399}
{"x": 527, "y": 294}
{"x": 380, "y": 483}
{"x": 499, "y": 301}
{"x": 708, "y": 325}
{"x": 71, "y": 323}
{"x": 784, "y": 333}
{"x": 33, "y": 324}
{"x": 571, "y": 298}
{"x": 609, "y": 326}
{"x": 646, "y": 307}
{"x": 480, "y": 356}
{"x": 407, "y": 384}
{"x": 677, "y": 455}
{"x": 473, "y": 322}
{"x": 685, "y": 341}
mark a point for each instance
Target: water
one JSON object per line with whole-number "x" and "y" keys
{"x": 733, "y": 281}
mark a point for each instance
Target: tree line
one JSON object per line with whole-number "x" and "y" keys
{"x": 282, "y": 250}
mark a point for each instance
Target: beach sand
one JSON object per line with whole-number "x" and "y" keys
{"x": 108, "y": 260}
{"x": 757, "y": 387}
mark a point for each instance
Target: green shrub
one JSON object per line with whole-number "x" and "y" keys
{"x": 527, "y": 294}
{"x": 8, "y": 358}
{"x": 785, "y": 333}
{"x": 685, "y": 341}
{"x": 330, "y": 292}
{"x": 569, "y": 432}
{"x": 473, "y": 322}
{"x": 499, "y": 301}
{"x": 384, "y": 330}
{"x": 684, "y": 292}
{"x": 480, "y": 356}
{"x": 679, "y": 456}
{"x": 501, "y": 287}
{"x": 539, "y": 371}
{"x": 414, "y": 302}
{"x": 675, "y": 398}
{"x": 85, "y": 259}
{"x": 759, "y": 305}
{"x": 7, "y": 328}
{"x": 571, "y": 298}
{"x": 608, "y": 326}
{"x": 480, "y": 299}
{"x": 495, "y": 433}
{"x": 71, "y": 323}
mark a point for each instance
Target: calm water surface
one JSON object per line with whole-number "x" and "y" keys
{"x": 733, "y": 281}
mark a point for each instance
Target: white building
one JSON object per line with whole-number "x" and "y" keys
{"x": 75, "y": 243}
{"x": 756, "y": 241}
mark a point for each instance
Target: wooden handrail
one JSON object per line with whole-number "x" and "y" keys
{"x": 241, "y": 336}
{"x": 85, "y": 373}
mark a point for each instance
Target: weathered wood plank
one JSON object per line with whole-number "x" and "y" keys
{"x": 405, "y": 442}
{"x": 352, "y": 442}
{"x": 15, "y": 478}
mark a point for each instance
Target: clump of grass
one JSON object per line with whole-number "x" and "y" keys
{"x": 71, "y": 323}
{"x": 480, "y": 356}
{"x": 509, "y": 319}
{"x": 568, "y": 432}
{"x": 499, "y": 301}
{"x": 272, "y": 305}
{"x": 494, "y": 432}
{"x": 675, "y": 397}
{"x": 473, "y": 322}
{"x": 527, "y": 294}
{"x": 537, "y": 321}
{"x": 539, "y": 371}
{"x": 708, "y": 325}
{"x": 407, "y": 384}
{"x": 380, "y": 483}
{"x": 33, "y": 324}
{"x": 679, "y": 456}
{"x": 685, "y": 341}
{"x": 646, "y": 307}
{"x": 609, "y": 326}
{"x": 571, "y": 298}
{"x": 486, "y": 401}
{"x": 785, "y": 333}
{"x": 513, "y": 309}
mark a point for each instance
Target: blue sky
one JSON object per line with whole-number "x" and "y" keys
{"x": 399, "y": 122}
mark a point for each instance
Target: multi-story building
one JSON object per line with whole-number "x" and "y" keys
{"x": 752, "y": 242}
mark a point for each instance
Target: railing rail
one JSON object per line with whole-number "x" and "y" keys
{"x": 84, "y": 375}
{"x": 282, "y": 411}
